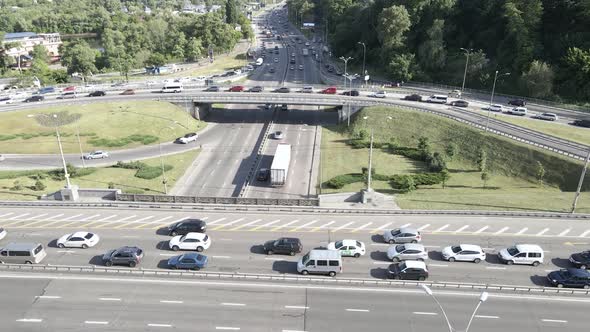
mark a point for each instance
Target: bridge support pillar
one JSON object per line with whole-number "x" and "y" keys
{"x": 344, "y": 113}
{"x": 200, "y": 110}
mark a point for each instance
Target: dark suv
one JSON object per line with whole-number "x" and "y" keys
{"x": 408, "y": 270}
{"x": 187, "y": 226}
{"x": 581, "y": 260}
{"x": 263, "y": 175}
{"x": 130, "y": 256}
{"x": 352, "y": 93}
{"x": 573, "y": 278}
{"x": 517, "y": 102}
{"x": 284, "y": 245}
{"x": 582, "y": 123}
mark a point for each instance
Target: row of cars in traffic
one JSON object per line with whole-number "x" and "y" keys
{"x": 407, "y": 254}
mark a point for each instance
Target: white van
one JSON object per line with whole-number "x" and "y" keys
{"x": 320, "y": 261}
{"x": 22, "y": 253}
{"x": 172, "y": 87}
{"x": 530, "y": 254}
{"x": 437, "y": 99}
{"x": 518, "y": 111}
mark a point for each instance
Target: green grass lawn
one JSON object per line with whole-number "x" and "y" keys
{"x": 123, "y": 179}
{"x": 220, "y": 64}
{"x": 101, "y": 125}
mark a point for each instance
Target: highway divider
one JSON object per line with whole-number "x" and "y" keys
{"x": 290, "y": 278}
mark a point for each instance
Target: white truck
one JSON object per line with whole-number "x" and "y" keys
{"x": 280, "y": 165}
{"x": 305, "y": 52}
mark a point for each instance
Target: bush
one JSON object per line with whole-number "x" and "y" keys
{"x": 436, "y": 163}
{"x": 405, "y": 183}
{"x": 17, "y": 185}
{"x": 130, "y": 165}
{"x": 340, "y": 181}
{"x": 119, "y": 142}
{"x": 427, "y": 179}
{"x": 380, "y": 177}
{"x": 38, "y": 176}
{"x": 411, "y": 153}
{"x": 7, "y": 137}
{"x": 39, "y": 186}
{"x": 83, "y": 172}
{"x": 111, "y": 185}
{"x": 358, "y": 143}
{"x": 151, "y": 172}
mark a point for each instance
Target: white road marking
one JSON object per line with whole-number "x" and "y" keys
{"x": 423, "y": 227}
{"x": 228, "y": 224}
{"x": 554, "y": 320}
{"x": 362, "y": 227}
{"x": 158, "y": 325}
{"x": 107, "y": 217}
{"x": 29, "y": 320}
{"x": 87, "y": 218}
{"x": 564, "y": 232}
{"x": 381, "y": 263}
{"x": 382, "y": 227}
{"x": 109, "y": 299}
{"x": 358, "y": 310}
{"x": 273, "y": 258}
{"x": 37, "y": 216}
{"x": 53, "y": 217}
{"x": 585, "y": 233}
{"x": 6, "y": 214}
{"x": 542, "y": 232}
{"x": 495, "y": 268}
{"x": 246, "y": 224}
{"x": 484, "y": 316}
{"x": 304, "y": 225}
{"x": 439, "y": 265}
{"x": 405, "y": 225}
{"x": 221, "y": 257}
{"x": 233, "y": 304}
{"x": 502, "y": 230}
{"x": 380, "y": 244}
{"x": 341, "y": 227}
{"x": 481, "y": 229}
{"x": 431, "y": 246}
{"x": 115, "y": 221}
{"x": 48, "y": 297}
{"x": 171, "y": 301}
{"x": 168, "y": 255}
{"x": 17, "y": 217}
{"x": 267, "y": 224}
{"x": 68, "y": 251}
{"x": 522, "y": 231}
{"x": 71, "y": 217}
{"x": 294, "y": 331}
{"x": 323, "y": 226}
{"x": 296, "y": 307}
{"x": 443, "y": 228}
{"x": 285, "y": 225}
{"x": 227, "y": 328}
{"x": 95, "y": 322}
{"x": 425, "y": 313}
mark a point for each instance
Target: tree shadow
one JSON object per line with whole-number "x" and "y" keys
{"x": 285, "y": 267}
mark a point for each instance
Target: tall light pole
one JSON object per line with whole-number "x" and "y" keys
{"x": 467, "y": 53}
{"x": 482, "y": 298}
{"x": 164, "y": 180}
{"x": 345, "y": 64}
{"x": 492, "y": 98}
{"x": 369, "y": 176}
{"x": 364, "y": 56}
{"x": 580, "y": 183}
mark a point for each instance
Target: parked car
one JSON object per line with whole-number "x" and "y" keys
{"x": 130, "y": 256}
{"x": 212, "y": 89}
{"x": 189, "y": 261}
{"x": 460, "y": 103}
{"x": 190, "y": 241}
{"x": 236, "y": 88}
{"x": 284, "y": 245}
{"x": 97, "y": 94}
{"x": 517, "y": 102}
{"x": 408, "y": 270}
{"x": 581, "y": 260}
{"x": 34, "y": 98}
{"x": 300, "y": 67}
{"x": 463, "y": 252}
{"x": 283, "y": 89}
{"x": 187, "y": 226}
{"x": 547, "y": 116}
{"x": 411, "y": 251}
{"x": 378, "y": 94}
{"x": 2, "y": 233}
{"x": 278, "y": 134}
{"x": 530, "y": 254}
{"x": 96, "y": 155}
{"x": 352, "y": 93}
{"x": 518, "y": 111}
{"x": 402, "y": 235}
{"x": 291, "y": 67}
{"x": 352, "y": 248}
{"x": 572, "y": 278}
{"x": 128, "y": 92}
{"x": 82, "y": 240}
{"x": 582, "y": 123}
{"x": 257, "y": 88}
{"x": 190, "y": 137}
{"x": 495, "y": 108}
{"x": 329, "y": 91}
{"x": 263, "y": 174}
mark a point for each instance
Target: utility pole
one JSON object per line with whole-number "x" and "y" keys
{"x": 580, "y": 183}
{"x": 364, "y": 73}
{"x": 492, "y": 98}
{"x": 467, "y": 52}
{"x": 345, "y": 64}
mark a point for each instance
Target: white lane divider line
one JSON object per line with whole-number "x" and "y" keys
{"x": 224, "y": 257}
{"x": 481, "y": 229}
{"x": 273, "y": 258}
{"x": 133, "y": 222}
{"x": 168, "y": 255}
{"x": 361, "y": 227}
{"x": 285, "y": 225}
{"x": 522, "y": 231}
{"x": 72, "y": 217}
{"x": 48, "y": 297}
{"x": 294, "y": 331}
{"x": 443, "y": 228}
{"x": 495, "y": 268}
{"x": 88, "y": 218}
{"x": 296, "y": 307}
{"x": 554, "y": 321}
{"x": 502, "y": 230}
{"x": 461, "y": 229}
{"x": 322, "y": 226}
{"x": 19, "y": 216}
{"x": 405, "y": 225}
{"x": 246, "y": 224}
{"x": 439, "y": 265}
{"x": 228, "y": 224}
{"x": 424, "y": 227}
{"x": 484, "y": 316}
{"x": 381, "y": 263}
{"x": 6, "y": 214}
{"x": 30, "y": 224}
{"x": 37, "y": 216}
{"x": 564, "y": 232}
{"x": 585, "y": 233}
{"x": 29, "y": 320}
{"x": 425, "y": 313}
{"x": 382, "y": 227}
{"x": 158, "y": 325}
{"x": 96, "y": 322}
{"x": 542, "y": 232}
{"x": 171, "y": 301}
{"x": 216, "y": 221}
{"x": 115, "y": 221}
{"x": 107, "y": 217}
{"x": 233, "y": 304}
{"x": 343, "y": 226}
{"x": 229, "y": 328}
{"x": 266, "y": 225}
{"x": 303, "y": 226}
{"x": 109, "y": 299}
{"x": 153, "y": 222}
{"x": 358, "y": 310}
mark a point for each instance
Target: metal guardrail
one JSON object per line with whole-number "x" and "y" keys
{"x": 218, "y": 200}
{"x": 290, "y": 278}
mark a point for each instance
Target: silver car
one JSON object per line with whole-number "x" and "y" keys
{"x": 412, "y": 251}
{"x": 96, "y": 155}
{"x": 402, "y": 235}
{"x": 463, "y": 252}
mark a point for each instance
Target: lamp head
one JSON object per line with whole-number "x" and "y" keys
{"x": 426, "y": 289}
{"x": 483, "y": 297}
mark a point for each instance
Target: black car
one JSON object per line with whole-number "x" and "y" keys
{"x": 130, "y": 256}
{"x": 517, "y": 102}
{"x": 34, "y": 98}
{"x": 271, "y": 70}
{"x": 187, "y": 226}
{"x": 581, "y": 260}
{"x": 582, "y": 123}
{"x": 414, "y": 97}
{"x": 352, "y": 93}
{"x": 284, "y": 245}
{"x": 283, "y": 89}
{"x": 263, "y": 174}
{"x": 572, "y": 278}
{"x": 97, "y": 94}
{"x": 408, "y": 270}
{"x": 212, "y": 89}
{"x": 460, "y": 103}
{"x": 256, "y": 89}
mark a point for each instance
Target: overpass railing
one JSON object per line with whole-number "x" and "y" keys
{"x": 217, "y": 200}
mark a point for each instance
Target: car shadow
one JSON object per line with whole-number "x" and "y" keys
{"x": 378, "y": 238}
{"x": 435, "y": 255}
{"x": 379, "y": 256}
{"x": 162, "y": 231}
{"x": 96, "y": 260}
{"x": 379, "y": 273}
{"x": 163, "y": 264}
{"x": 162, "y": 245}
{"x": 52, "y": 244}
{"x": 493, "y": 259}
{"x": 257, "y": 249}
{"x": 285, "y": 267}
{"x": 540, "y": 281}
{"x": 561, "y": 262}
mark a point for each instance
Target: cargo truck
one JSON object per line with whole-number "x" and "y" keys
{"x": 280, "y": 165}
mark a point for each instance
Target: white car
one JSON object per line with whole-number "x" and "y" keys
{"x": 518, "y": 111}
{"x": 548, "y": 116}
{"x": 97, "y": 155}
{"x": 352, "y": 248}
{"x": 495, "y": 108}
{"x": 276, "y": 59}
{"x": 411, "y": 251}
{"x": 2, "y": 233}
{"x": 190, "y": 137}
{"x": 190, "y": 241}
{"x": 6, "y": 100}
{"x": 78, "y": 240}
{"x": 378, "y": 94}
{"x": 464, "y": 252}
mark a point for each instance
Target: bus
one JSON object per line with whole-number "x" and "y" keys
{"x": 173, "y": 87}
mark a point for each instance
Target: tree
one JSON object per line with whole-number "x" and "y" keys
{"x": 231, "y": 12}
{"x": 39, "y": 186}
{"x": 79, "y": 58}
{"x": 540, "y": 172}
{"x": 400, "y": 66}
{"x": 432, "y": 53}
{"x": 573, "y": 78}
{"x": 194, "y": 49}
{"x": 485, "y": 177}
{"x": 482, "y": 160}
{"x": 436, "y": 163}
{"x": 445, "y": 176}
{"x": 394, "y": 22}
{"x": 406, "y": 184}
{"x": 40, "y": 53}
{"x": 424, "y": 147}
{"x": 538, "y": 80}
{"x": 451, "y": 150}
{"x": 156, "y": 59}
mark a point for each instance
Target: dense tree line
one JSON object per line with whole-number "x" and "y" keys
{"x": 128, "y": 37}
{"x": 544, "y": 44}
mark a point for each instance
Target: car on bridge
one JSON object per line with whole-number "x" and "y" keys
{"x": 283, "y": 89}
{"x": 99, "y": 154}
{"x": 306, "y": 89}
{"x": 351, "y": 248}
{"x": 34, "y": 98}
{"x": 407, "y": 251}
{"x": 97, "y": 93}
{"x": 188, "y": 261}
{"x": 284, "y": 245}
{"x": 463, "y": 252}
{"x": 257, "y": 88}
{"x": 408, "y": 270}
{"x": 547, "y": 116}
{"x": 517, "y": 102}
{"x": 581, "y": 260}
{"x": 329, "y": 91}
{"x": 570, "y": 277}
{"x": 187, "y": 226}
{"x": 459, "y": 103}
{"x": 212, "y": 89}
{"x": 128, "y": 92}
{"x": 378, "y": 94}
{"x": 236, "y": 88}
{"x": 130, "y": 256}
{"x": 352, "y": 93}
{"x": 518, "y": 111}
{"x": 190, "y": 241}
{"x": 496, "y": 108}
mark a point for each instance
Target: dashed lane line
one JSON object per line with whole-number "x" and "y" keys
{"x": 107, "y": 223}
{"x": 481, "y": 229}
{"x": 171, "y": 302}
{"x": 315, "y": 229}
{"x": 36, "y": 217}
{"x": 296, "y": 307}
{"x": 109, "y": 299}
{"x": 564, "y": 232}
{"x": 502, "y": 230}
{"x": 228, "y": 224}
{"x": 424, "y": 227}
{"x": 485, "y": 316}
{"x": 303, "y": 226}
{"x": 554, "y": 320}
{"x": 152, "y": 222}
{"x": 522, "y": 231}
{"x": 216, "y": 221}
{"x": 425, "y": 313}
{"x": 542, "y": 232}
{"x": 266, "y": 225}
{"x": 245, "y": 225}
{"x": 357, "y": 310}
{"x": 285, "y": 225}
{"x": 585, "y": 233}
{"x": 29, "y": 320}
{"x": 133, "y": 222}
{"x": 461, "y": 229}
{"x": 88, "y": 218}
{"x": 158, "y": 325}
{"x": 96, "y": 322}
{"x": 343, "y": 226}
{"x": 54, "y": 297}
{"x": 362, "y": 227}
{"x": 442, "y": 228}
{"x": 232, "y": 304}
{"x": 381, "y": 228}
{"x": 228, "y": 328}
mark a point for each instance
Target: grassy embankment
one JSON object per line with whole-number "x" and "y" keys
{"x": 513, "y": 184}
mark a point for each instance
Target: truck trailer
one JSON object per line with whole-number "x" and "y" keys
{"x": 280, "y": 165}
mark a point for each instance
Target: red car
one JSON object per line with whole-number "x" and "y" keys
{"x": 128, "y": 92}
{"x": 329, "y": 91}
{"x": 69, "y": 88}
{"x": 237, "y": 88}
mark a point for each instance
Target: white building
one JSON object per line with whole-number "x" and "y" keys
{"x": 27, "y": 40}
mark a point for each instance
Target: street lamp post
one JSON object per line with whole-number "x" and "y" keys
{"x": 482, "y": 298}
{"x": 492, "y": 98}
{"x": 345, "y": 64}
{"x": 164, "y": 180}
{"x": 61, "y": 150}
{"x": 364, "y": 56}
{"x": 369, "y": 175}
{"x": 467, "y": 53}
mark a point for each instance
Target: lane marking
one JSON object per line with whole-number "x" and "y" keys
{"x": 67, "y": 251}
{"x": 380, "y": 244}
{"x": 29, "y": 320}
{"x": 425, "y": 313}
{"x": 585, "y": 233}
{"x": 228, "y": 224}
{"x": 6, "y": 214}
{"x": 17, "y": 217}
{"x": 285, "y": 225}
{"x": 481, "y": 229}
{"x": 99, "y": 220}
{"x": 95, "y": 322}
{"x": 462, "y": 228}
{"x": 322, "y": 226}
{"x": 265, "y": 225}
{"x": 358, "y": 310}
{"x": 542, "y": 232}
{"x": 341, "y": 227}
{"x": 554, "y": 320}
{"x": 304, "y": 225}
{"x": 431, "y": 246}
{"x": 220, "y": 256}
{"x": 522, "y": 231}
{"x": 381, "y": 263}
{"x": 152, "y": 222}
{"x": 34, "y": 223}
{"x": 216, "y": 221}
{"x": 495, "y": 268}
{"x": 227, "y": 328}
{"x": 296, "y": 307}
{"x": 439, "y": 265}
{"x": 405, "y": 225}
{"x": 48, "y": 297}
{"x": 168, "y": 223}
{"x": 361, "y": 227}
{"x": 233, "y": 304}
{"x": 382, "y": 227}
{"x": 502, "y": 230}
{"x": 48, "y": 224}
{"x": 158, "y": 325}
{"x": 37, "y": 216}
{"x": 88, "y": 218}
{"x": 484, "y": 316}
{"x": 72, "y": 217}
{"x": 171, "y": 301}
{"x": 244, "y": 225}
{"x": 133, "y": 222}
{"x": 564, "y": 232}
{"x": 423, "y": 227}
{"x": 294, "y": 331}
{"x": 443, "y": 228}
{"x": 273, "y": 258}
{"x": 109, "y": 299}
{"x": 168, "y": 255}
{"x": 107, "y": 223}
{"x": 107, "y": 217}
